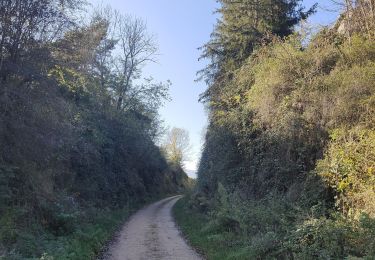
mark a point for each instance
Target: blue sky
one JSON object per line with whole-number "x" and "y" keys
{"x": 180, "y": 27}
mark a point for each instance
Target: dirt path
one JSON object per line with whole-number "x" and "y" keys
{"x": 152, "y": 234}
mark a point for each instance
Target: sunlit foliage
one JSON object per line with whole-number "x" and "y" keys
{"x": 289, "y": 152}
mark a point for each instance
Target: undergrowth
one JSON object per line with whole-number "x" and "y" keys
{"x": 87, "y": 235}
{"x": 267, "y": 231}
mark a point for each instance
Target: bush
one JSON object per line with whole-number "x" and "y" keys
{"x": 349, "y": 169}
{"x": 335, "y": 238}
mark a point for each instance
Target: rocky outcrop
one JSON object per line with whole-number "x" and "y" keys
{"x": 359, "y": 16}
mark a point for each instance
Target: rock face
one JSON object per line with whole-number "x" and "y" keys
{"x": 358, "y": 16}
{"x": 343, "y": 24}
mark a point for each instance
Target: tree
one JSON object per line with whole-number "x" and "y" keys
{"x": 29, "y": 24}
{"x": 124, "y": 51}
{"x": 177, "y": 146}
{"x": 103, "y": 63}
{"x": 243, "y": 26}
{"x": 137, "y": 48}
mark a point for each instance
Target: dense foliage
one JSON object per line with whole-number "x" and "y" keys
{"x": 288, "y": 163}
{"x": 78, "y": 127}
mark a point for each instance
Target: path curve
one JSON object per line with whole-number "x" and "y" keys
{"x": 150, "y": 234}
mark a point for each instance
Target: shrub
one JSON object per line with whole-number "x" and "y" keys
{"x": 349, "y": 168}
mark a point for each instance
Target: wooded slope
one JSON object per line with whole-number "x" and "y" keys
{"x": 289, "y": 157}
{"x": 78, "y": 125}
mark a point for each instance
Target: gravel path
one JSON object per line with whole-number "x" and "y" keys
{"x": 152, "y": 234}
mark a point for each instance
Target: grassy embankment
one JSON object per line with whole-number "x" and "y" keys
{"x": 90, "y": 231}
{"x": 211, "y": 242}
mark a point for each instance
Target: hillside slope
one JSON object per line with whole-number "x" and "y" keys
{"x": 74, "y": 160}
{"x": 287, "y": 170}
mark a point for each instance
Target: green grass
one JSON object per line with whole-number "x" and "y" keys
{"x": 210, "y": 242}
{"x": 334, "y": 237}
{"x": 88, "y": 240}
{"x": 91, "y": 230}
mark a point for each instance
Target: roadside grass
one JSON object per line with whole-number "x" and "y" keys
{"x": 89, "y": 239}
{"x": 211, "y": 243}
{"x": 91, "y": 231}
{"x": 322, "y": 237}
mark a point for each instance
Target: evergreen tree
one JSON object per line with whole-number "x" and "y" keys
{"x": 243, "y": 25}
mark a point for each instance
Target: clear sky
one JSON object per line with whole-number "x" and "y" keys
{"x": 180, "y": 27}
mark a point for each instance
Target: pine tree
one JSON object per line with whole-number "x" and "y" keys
{"x": 243, "y": 25}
